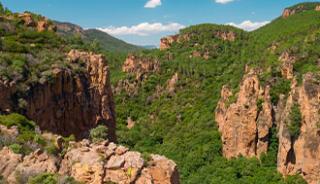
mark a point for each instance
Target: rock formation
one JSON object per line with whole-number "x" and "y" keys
{"x": 140, "y": 66}
{"x": 40, "y": 25}
{"x": 245, "y": 124}
{"x": 71, "y": 103}
{"x": 172, "y": 84}
{"x": 287, "y": 65}
{"x": 301, "y": 155}
{"x": 166, "y": 42}
{"x": 226, "y": 35}
{"x": 91, "y": 163}
{"x": 288, "y": 12}
{"x": 317, "y": 8}
{"x": 37, "y": 162}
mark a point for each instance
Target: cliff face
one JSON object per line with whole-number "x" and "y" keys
{"x": 301, "y": 155}
{"x": 140, "y": 67}
{"x": 70, "y": 103}
{"x": 245, "y": 124}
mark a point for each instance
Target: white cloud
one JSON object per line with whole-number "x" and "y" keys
{"x": 152, "y": 3}
{"x": 249, "y": 25}
{"x": 143, "y": 29}
{"x": 223, "y": 1}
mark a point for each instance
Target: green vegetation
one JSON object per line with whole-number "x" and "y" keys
{"x": 294, "y": 122}
{"x": 179, "y": 126}
{"x": 182, "y": 126}
{"x": 47, "y": 178}
{"x": 99, "y": 133}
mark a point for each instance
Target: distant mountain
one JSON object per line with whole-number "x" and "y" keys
{"x": 149, "y": 46}
{"x": 107, "y": 41}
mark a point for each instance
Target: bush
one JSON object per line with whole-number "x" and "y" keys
{"x": 47, "y": 178}
{"x": 99, "y": 133}
{"x": 17, "y": 120}
{"x": 294, "y": 123}
{"x": 44, "y": 178}
{"x": 16, "y": 148}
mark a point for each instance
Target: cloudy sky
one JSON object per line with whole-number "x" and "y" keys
{"x": 144, "y": 22}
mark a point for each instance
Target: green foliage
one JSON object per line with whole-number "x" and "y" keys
{"x": 16, "y": 148}
{"x": 44, "y": 178}
{"x": 47, "y": 178}
{"x": 294, "y": 122}
{"x": 99, "y": 133}
{"x": 260, "y": 104}
{"x": 17, "y": 120}
{"x": 281, "y": 86}
{"x": 296, "y": 179}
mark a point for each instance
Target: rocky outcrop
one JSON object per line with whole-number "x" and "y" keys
{"x": 166, "y": 42}
{"x": 226, "y": 35}
{"x": 172, "y": 84}
{"x": 8, "y": 161}
{"x": 91, "y": 163}
{"x": 160, "y": 171}
{"x": 245, "y": 124}
{"x": 107, "y": 162}
{"x": 288, "y": 12}
{"x": 317, "y": 8}
{"x": 37, "y": 162}
{"x": 301, "y": 155}
{"x": 40, "y": 24}
{"x": 70, "y": 103}
{"x": 140, "y": 66}
{"x": 287, "y": 65}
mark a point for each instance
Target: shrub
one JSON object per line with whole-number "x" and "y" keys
{"x": 17, "y": 120}
{"x": 99, "y": 133}
{"x": 44, "y": 178}
{"x": 281, "y": 86}
{"x": 16, "y": 148}
{"x": 294, "y": 123}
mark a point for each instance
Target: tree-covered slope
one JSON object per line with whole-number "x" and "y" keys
{"x": 182, "y": 126}
{"x": 106, "y": 41}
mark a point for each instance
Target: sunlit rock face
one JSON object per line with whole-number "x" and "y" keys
{"x": 301, "y": 155}
{"x": 243, "y": 125}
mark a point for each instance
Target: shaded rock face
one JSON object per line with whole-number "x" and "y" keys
{"x": 70, "y": 103}
{"x": 302, "y": 155}
{"x": 107, "y": 162}
{"x": 244, "y": 127}
{"x": 166, "y": 42}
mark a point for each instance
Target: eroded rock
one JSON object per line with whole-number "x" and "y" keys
{"x": 245, "y": 127}
{"x": 301, "y": 155}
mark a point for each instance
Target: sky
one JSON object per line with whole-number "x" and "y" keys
{"x": 144, "y": 22}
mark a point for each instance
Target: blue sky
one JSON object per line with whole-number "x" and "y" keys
{"x": 143, "y": 22}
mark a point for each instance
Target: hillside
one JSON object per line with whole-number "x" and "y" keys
{"x": 172, "y": 109}
{"x": 222, "y": 105}
{"x": 106, "y": 41}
